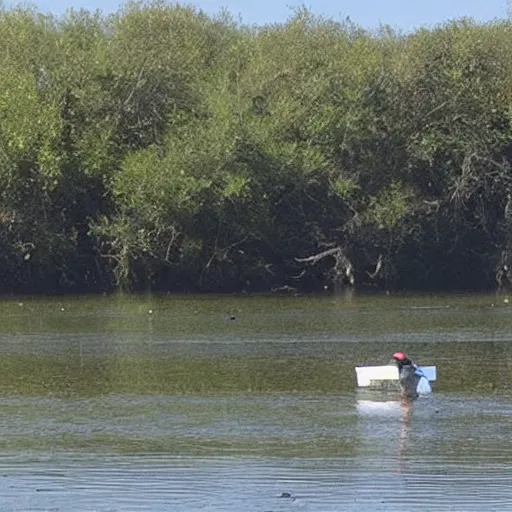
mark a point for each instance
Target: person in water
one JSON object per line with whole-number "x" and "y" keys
{"x": 413, "y": 381}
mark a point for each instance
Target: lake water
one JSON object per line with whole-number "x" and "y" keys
{"x": 249, "y": 404}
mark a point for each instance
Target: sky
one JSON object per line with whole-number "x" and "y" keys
{"x": 400, "y": 14}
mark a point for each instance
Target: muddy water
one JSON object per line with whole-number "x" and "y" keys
{"x": 227, "y": 404}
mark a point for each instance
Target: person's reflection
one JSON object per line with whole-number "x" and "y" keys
{"x": 406, "y": 405}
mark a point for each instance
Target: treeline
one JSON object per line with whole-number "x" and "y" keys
{"x": 164, "y": 148}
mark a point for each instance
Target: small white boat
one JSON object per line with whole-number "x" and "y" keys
{"x": 379, "y": 376}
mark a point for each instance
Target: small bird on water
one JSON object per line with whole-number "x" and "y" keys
{"x": 413, "y": 382}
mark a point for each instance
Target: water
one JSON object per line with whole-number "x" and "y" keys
{"x": 249, "y": 404}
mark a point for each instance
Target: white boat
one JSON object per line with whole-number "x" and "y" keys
{"x": 377, "y": 376}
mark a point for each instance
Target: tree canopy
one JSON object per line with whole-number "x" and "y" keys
{"x": 161, "y": 147}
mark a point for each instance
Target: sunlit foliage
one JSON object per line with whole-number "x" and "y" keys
{"x": 160, "y": 147}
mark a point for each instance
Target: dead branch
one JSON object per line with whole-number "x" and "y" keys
{"x": 317, "y": 257}
{"x": 503, "y": 271}
{"x": 284, "y": 289}
{"x": 174, "y": 235}
{"x": 342, "y": 271}
{"x": 378, "y": 268}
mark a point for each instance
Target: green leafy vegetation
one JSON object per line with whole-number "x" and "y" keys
{"x": 166, "y": 149}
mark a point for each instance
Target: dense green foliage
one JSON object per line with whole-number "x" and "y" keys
{"x": 163, "y": 148}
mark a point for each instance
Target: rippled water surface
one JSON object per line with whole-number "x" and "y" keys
{"x": 250, "y": 404}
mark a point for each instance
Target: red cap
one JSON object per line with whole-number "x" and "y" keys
{"x": 399, "y": 356}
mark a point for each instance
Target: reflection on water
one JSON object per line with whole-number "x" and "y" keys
{"x": 398, "y": 412}
{"x": 406, "y": 417}
{"x": 105, "y": 406}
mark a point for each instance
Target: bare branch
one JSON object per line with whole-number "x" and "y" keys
{"x": 378, "y": 268}
{"x": 317, "y": 257}
{"x": 342, "y": 271}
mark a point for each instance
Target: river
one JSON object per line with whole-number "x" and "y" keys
{"x": 215, "y": 403}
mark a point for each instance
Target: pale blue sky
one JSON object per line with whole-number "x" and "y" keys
{"x": 402, "y": 14}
